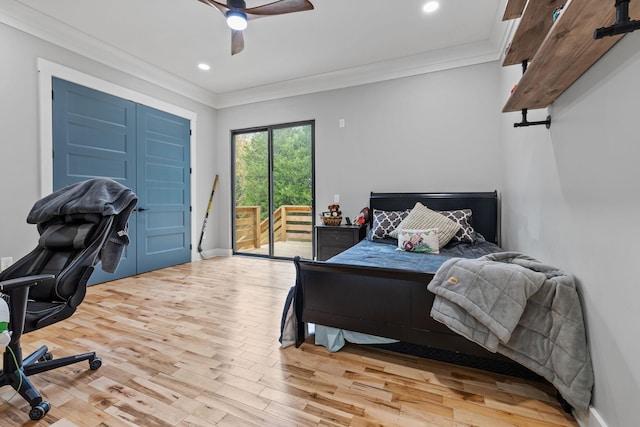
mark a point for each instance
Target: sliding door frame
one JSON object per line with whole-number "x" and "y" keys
{"x": 269, "y": 129}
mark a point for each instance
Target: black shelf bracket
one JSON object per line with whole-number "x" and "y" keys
{"x": 525, "y": 122}
{"x": 622, "y": 25}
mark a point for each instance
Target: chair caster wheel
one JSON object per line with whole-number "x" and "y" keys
{"x": 47, "y": 356}
{"x": 39, "y": 411}
{"x": 95, "y": 363}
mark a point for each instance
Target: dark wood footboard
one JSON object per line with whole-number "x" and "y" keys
{"x": 378, "y": 301}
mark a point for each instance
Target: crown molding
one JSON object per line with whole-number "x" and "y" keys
{"x": 441, "y": 60}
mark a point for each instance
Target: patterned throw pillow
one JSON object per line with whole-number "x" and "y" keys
{"x": 419, "y": 241}
{"x": 385, "y": 222}
{"x": 464, "y": 218}
{"x": 423, "y": 218}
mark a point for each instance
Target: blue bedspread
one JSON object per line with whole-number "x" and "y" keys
{"x": 384, "y": 253}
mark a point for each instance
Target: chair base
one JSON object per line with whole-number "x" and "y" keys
{"x": 39, "y": 361}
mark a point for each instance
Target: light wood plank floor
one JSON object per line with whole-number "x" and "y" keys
{"x": 197, "y": 345}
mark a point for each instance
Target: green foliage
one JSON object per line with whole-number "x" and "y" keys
{"x": 291, "y": 168}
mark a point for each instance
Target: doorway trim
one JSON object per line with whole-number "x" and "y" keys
{"x": 47, "y": 70}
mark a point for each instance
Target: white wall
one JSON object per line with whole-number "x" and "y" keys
{"x": 20, "y": 172}
{"x": 571, "y": 198}
{"x": 433, "y": 132}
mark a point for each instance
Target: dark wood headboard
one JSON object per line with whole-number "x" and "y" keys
{"x": 484, "y": 206}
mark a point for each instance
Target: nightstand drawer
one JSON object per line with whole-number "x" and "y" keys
{"x": 326, "y": 252}
{"x": 336, "y": 237}
{"x": 333, "y": 239}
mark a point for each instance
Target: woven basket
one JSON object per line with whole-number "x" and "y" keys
{"x": 331, "y": 220}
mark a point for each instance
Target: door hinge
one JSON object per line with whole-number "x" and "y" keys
{"x": 190, "y": 209}
{"x": 52, "y": 95}
{"x": 190, "y": 132}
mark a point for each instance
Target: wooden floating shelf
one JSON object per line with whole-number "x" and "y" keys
{"x": 532, "y": 30}
{"x": 514, "y": 9}
{"x": 567, "y": 51}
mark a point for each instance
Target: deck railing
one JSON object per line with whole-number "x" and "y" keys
{"x": 289, "y": 223}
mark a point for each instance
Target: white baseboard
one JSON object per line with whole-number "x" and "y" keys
{"x": 216, "y": 253}
{"x": 591, "y": 418}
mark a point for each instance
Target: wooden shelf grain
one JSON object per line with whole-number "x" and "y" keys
{"x": 566, "y": 53}
{"x": 514, "y": 9}
{"x": 533, "y": 27}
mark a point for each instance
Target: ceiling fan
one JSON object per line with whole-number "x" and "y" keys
{"x": 237, "y": 15}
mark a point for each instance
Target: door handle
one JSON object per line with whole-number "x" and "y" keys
{"x": 142, "y": 209}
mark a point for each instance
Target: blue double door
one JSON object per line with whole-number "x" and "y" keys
{"x": 100, "y": 135}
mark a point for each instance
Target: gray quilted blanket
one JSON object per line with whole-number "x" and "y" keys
{"x": 530, "y": 312}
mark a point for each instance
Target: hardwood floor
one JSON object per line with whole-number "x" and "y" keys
{"x": 197, "y": 345}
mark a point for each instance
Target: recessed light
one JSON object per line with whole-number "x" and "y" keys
{"x": 430, "y": 6}
{"x": 204, "y": 67}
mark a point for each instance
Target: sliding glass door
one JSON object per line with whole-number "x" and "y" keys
{"x": 273, "y": 190}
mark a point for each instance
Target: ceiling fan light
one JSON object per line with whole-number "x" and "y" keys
{"x": 236, "y": 20}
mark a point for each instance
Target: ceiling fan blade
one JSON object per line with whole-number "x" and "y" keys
{"x": 237, "y": 42}
{"x": 220, "y": 6}
{"x": 280, "y": 7}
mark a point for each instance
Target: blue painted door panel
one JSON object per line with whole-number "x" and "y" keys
{"x": 94, "y": 135}
{"x": 164, "y": 227}
{"x": 97, "y": 134}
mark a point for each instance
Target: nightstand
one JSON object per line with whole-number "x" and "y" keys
{"x": 333, "y": 239}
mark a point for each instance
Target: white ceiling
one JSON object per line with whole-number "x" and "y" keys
{"x": 338, "y": 44}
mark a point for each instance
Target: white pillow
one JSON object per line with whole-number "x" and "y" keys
{"x": 423, "y": 218}
{"x": 419, "y": 241}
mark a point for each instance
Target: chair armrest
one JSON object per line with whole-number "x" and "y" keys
{"x": 25, "y": 281}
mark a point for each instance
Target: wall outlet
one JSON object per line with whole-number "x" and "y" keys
{"x": 336, "y": 198}
{"x": 5, "y": 262}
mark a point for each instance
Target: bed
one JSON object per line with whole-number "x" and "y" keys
{"x": 391, "y": 302}
{"x": 376, "y": 290}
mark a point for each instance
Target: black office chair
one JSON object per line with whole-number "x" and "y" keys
{"x": 47, "y": 285}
